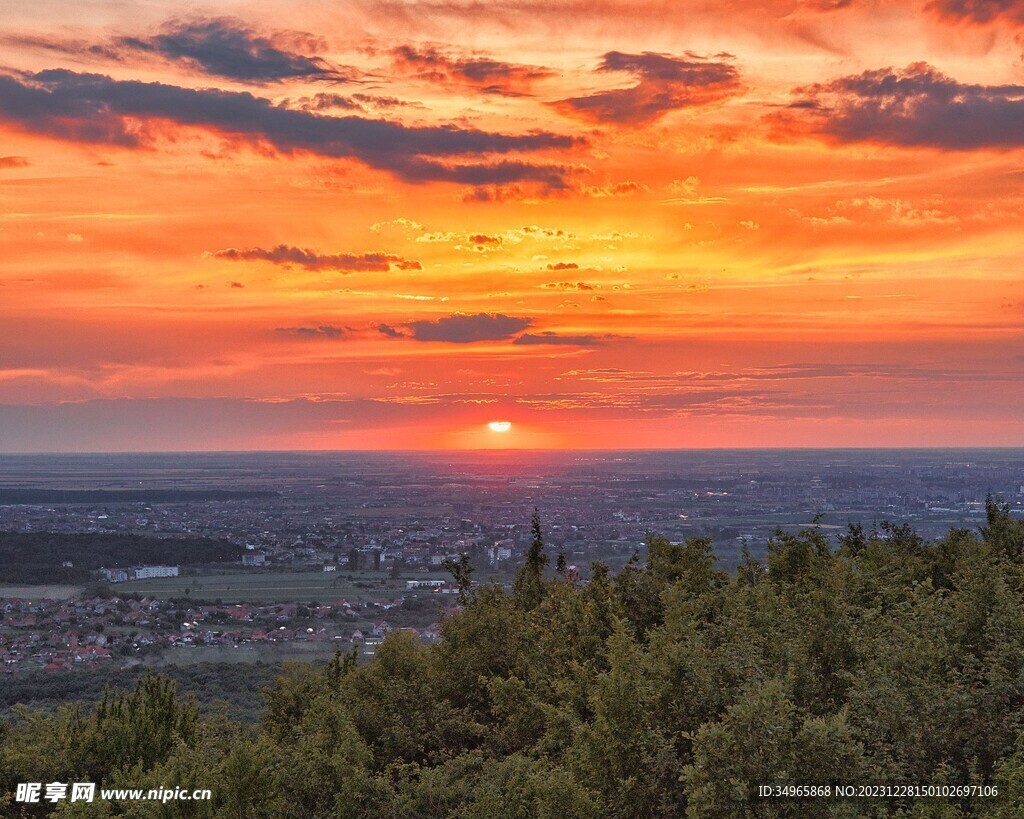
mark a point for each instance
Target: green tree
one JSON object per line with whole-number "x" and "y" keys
{"x": 765, "y": 739}
{"x": 462, "y": 572}
{"x": 1002, "y": 531}
{"x": 528, "y": 586}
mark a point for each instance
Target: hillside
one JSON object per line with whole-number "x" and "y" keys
{"x": 671, "y": 689}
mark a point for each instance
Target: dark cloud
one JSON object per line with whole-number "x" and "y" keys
{"x": 484, "y": 239}
{"x": 93, "y": 108}
{"x": 13, "y": 162}
{"x": 217, "y": 47}
{"x": 311, "y": 260}
{"x": 236, "y": 285}
{"x": 465, "y": 329}
{"x": 389, "y": 331}
{"x": 977, "y": 11}
{"x": 492, "y": 193}
{"x": 489, "y": 76}
{"x": 915, "y": 106}
{"x": 563, "y": 266}
{"x": 665, "y": 83}
{"x": 322, "y": 331}
{"x": 226, "y": 47}
{"x": 549, "y": 337}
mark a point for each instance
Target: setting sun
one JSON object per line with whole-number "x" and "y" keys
{"x": 500, "y": 426}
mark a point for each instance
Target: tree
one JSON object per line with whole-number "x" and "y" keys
{"x": 560, "y": 564}
{"x": 763, "y": 739}
{"x": 462, "y": 572}
{"x": 620, "y": 753}
{"x": 528, "y": 586}
{"x": 341, "y": 665}
{"x": 138, "y": 728}
{"x": 672, "y": 689}
{"x": 1003, "y": 531}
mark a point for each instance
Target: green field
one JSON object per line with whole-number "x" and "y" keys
{"x": 51, "y": 592}
{"x": 247, "y": 653}
{"x": 276, "y": 586}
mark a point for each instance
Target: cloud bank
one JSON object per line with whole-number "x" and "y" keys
{"x": 914, "y": 106}
{"x": 97, "y": 109}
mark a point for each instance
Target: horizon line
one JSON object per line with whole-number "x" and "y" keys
{"x": 518, "y": 450}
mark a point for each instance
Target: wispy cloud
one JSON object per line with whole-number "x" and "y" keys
{"x": 321, "y": 331}
{"x": 550, "y": 337}
{"x": 481, "y": 73}
{"x": 567, "y": 286}
{"x": 312, "y": 260}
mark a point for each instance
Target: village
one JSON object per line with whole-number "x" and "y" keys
{"x": 60, "y": 635}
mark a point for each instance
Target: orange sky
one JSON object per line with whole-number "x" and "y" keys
{"x": 296, "y": 224}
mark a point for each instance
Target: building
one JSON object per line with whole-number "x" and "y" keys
{"x": 424, "y": 584}
{"x": 501, "y": 550}
{"x": 366, "y": 559}
{"x": 146, "y": 572}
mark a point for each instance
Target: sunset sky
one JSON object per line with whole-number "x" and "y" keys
{"x": 299, "y": 224}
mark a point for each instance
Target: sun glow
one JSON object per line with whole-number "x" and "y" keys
{"x": 358, "y": 271}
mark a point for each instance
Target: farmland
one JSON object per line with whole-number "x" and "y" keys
{"x": 276, "y": 586}
{"x": 40, "y": 592}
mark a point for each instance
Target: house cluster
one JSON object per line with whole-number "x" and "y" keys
{"x": 368, "y": 641}
{"x": 62, "y": 634}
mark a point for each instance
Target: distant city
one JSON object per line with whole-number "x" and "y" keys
{"x": 335, "y": 550}
{"x": 419, "y": 508}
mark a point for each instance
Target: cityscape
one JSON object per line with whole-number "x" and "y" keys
{"x": 337, "y": 550}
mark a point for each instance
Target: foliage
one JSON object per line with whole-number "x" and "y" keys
{"x": 528, "y": 586}
{"x": 670, "y": 690}
{"x": 234, "y": 688}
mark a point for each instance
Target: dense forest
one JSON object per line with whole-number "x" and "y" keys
{"x": 40, "y": 557}
{"x": 235, "y": 689}
{"x": 670, "y": 689}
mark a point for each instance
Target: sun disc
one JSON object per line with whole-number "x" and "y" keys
{"x": 500, "y": 426}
